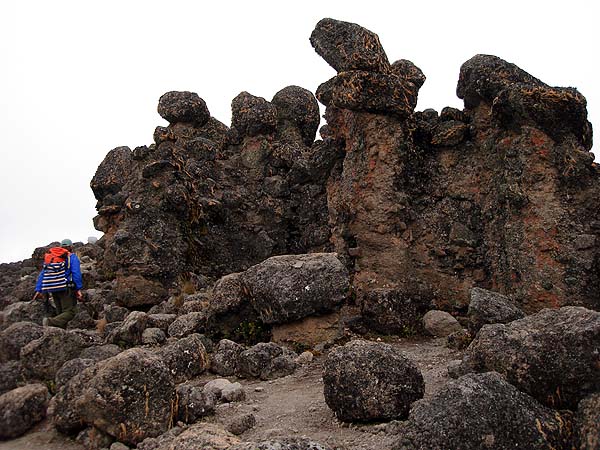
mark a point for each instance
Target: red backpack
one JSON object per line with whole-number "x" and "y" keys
{"x": 56, "y": 264}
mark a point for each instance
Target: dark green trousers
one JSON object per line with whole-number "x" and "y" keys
{"x": 66, "y": 308}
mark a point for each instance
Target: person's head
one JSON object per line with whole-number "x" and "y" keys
{"x": 66, "y": 243}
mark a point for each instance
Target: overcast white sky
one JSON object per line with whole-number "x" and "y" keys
{"x": 78, "y": 78}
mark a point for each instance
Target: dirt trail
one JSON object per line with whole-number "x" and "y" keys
{"x": 292, "y": 406}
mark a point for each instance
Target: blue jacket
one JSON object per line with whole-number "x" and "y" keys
{"x": 73, "y": 274}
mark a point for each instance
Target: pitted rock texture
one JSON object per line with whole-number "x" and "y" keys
{"x": 488, "y": 307}
{"x": 482, "y": 411}
{"x": 553, "y": 355}
{"x": 367, "y": 381}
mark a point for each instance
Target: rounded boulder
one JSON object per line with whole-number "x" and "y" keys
{"x": 367, "y": 381}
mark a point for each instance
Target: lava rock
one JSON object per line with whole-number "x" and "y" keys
{"x": 482, "y": 411}
{"x": 448, "y": 133}
{"x": 114, "y": 313}
{"x": 94, "y": 439}
{"x": 161, "y": 321}
{"x": 201, "y": 436}
{"x": 483, "y": 77}
{"x": 368, "y": 91}
{"x": 153, "y": 336}
{"x": 43, "y": 357}
{"x": 100, "y": 352}
{"x": 551, "y": 355}
{"x": 225, "y": 357}
{"x": 440, "y": 323}
{"x": 21, "y": 408}
{"x": 11, "y": 375}
{"x": 134, "y": 291}
{"x": 186, "y": 358}
{"x": 15, "y": 337}
{"x": 391, "y": 311}
{"x": 299, "y": 107}
{"x": 252, "y": 115}
{"x": 366, "y": 381}
{"x": 183, "y": 106}
{"x": 282, "y": 444}
{"x": 291, "y": 287}
{"x": 587, "y": 423}
{"x": 32, "y": 311}
{"x": 194, "y": 403}
{"x": 225, "y": 391}
{"x": 348, "y": 46}
{"x": 240, "y": 424}
{"x": 129, "y": 396}
{"x": 194, "y": 322}
{"x": 267, "y": 361}
{"x": 129, "y": 333}
{"x": 487, "y": 307}
{"x": 71, "y": 368}
{"x": 406, "y": 70}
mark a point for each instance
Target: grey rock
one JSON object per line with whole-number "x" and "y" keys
{"x": 21, "y": 408}
{"x": 187, "y": 324}
{"x": 115, "y": 313}
{"x": 225, "y": 357}
{"x": 153, "y": 336}
{"x": 282, "y": 444}
{"x": 551, "y": 355}
{"x": 129, "y": 396}
{"x": 367, "y": 381}
{"x": 266, "y": 360}
{"x": 43, "y": 357}
{"x": 100, "y": 352}
{"x": 71, "y": 368}
{"x": 161, "y": 321}
{"x": 185, "y": 358}
{"x": 587, "y": 423}
{"x": 129, "y": 333}
{"x": 11, "y": 375}
{"x": 194, "y": 403}
{"x": 488, "y": 307}
{"x": 15, "y": 337}
{"x": 94, "y": 439}
{"x": 391, "y": 311}
{"x": 240, "y": 424}
{"x": 31, "y": 311}
{"x": 481, "y": 411}
{"x": 440, "y": 323}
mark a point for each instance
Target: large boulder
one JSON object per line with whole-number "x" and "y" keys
{"x": 551, "y": 355}
{"x": 15, "y": 337}
{"x": 587, "y": 423}
{"x": 185, "y": 358}
{"x": 130, "y": 396}
{"x": 71, "y": 368}
{"x": 252, "y": 115}
{"x": 488, "y": 307}
{"x": 43, "y": 357}
{"x": 190, "y": 323}
{"x": 290, "y": 287}
{"x": 482, "y": 411}
{"x": 31, "y": 311}
{"x": 21, "y": 408}
{"x": 266, "y": 360}
{"x": 298, "y": 107}
{"x": 366, "y": 381}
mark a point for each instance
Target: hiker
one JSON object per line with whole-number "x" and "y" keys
{"x": 61, "y": 277}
